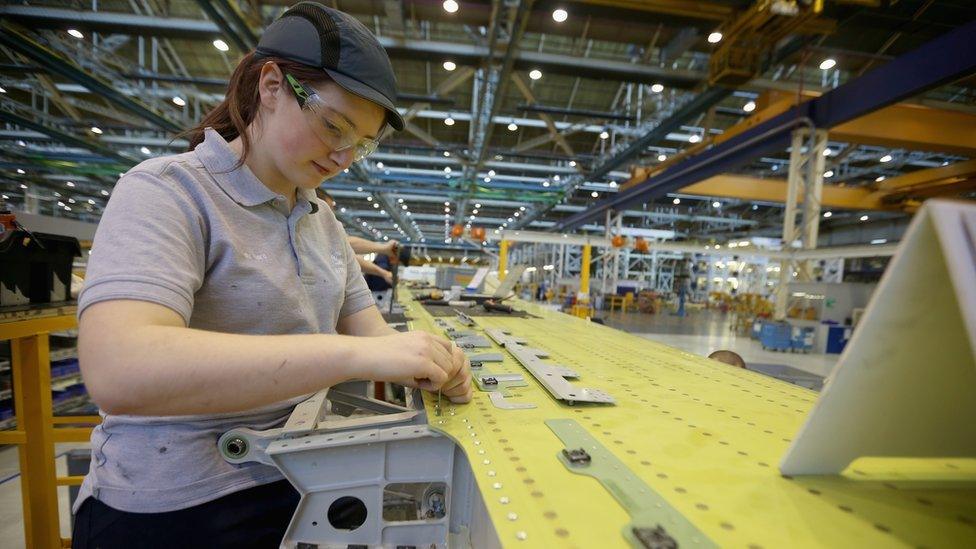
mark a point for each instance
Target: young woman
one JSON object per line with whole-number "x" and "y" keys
{"x": 221, "y": 292}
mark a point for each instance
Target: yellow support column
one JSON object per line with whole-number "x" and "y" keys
{"x": 502, "y": 259}
{"x": 582, "y": 308}
{"x": 32, "y": 400}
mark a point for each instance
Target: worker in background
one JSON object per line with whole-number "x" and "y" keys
{"x": 362, "y": 246}
{"x": 221, "y": 292}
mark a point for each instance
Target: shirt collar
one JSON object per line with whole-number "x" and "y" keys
{"x": 239, "y": 183}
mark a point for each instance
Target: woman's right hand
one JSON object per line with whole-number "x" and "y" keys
{"x": 412, "y": 359}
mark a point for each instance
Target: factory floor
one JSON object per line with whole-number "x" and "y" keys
{"x": 704, "y": 331}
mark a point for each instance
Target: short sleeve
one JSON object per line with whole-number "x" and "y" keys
{"x": 358, "y": 296}
{"x": 149, "y": 246}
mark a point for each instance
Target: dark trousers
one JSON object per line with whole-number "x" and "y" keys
{"x": 256, "y": 517}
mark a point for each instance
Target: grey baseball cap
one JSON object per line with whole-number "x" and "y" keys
{"x": 319, "y": 36}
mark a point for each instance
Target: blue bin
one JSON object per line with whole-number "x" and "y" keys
{"x": 776, "y": 336}
{"x": 801, "y": 338}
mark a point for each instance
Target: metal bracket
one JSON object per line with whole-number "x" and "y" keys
{"x": 501, "y": 401}
{"x": 552, "y": 377}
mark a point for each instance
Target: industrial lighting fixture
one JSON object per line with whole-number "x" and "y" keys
{"x": 829, "y": 173}
{"x": 828, "y": 214}
{"x": 676, "y": 201}
{"x": 491, "y": 173}
{"x": 662, "y": 157}
{"x": 657, "y": 88}
{"x": 379, "y": 165}
{"x": 447, "y": 203}
{"x": 749, "y": 107}
{"x": 555, "y": 177}
{"x": 450, "y": 6}
{"x": 885, "y": 158}
{"x": 375, "y": 205}
{"x": 828, "y": 64}
{"x": 448, "y": 121}
{"x": 487, "y": 179}
{"x": 105, "y": 193}
{"x": 369, "y": 199}
{"x": 604, "y": 134}
{"x": 545, "y": 183}
{"x": 716, "y": 204}
{"x": 595, "y": 194}
{"x": 2, "y": 90}
{"x": 572, "y": 163}
{"x": 343, "y": 210}
{"x": 91, "y": 201}
{"x": 828, "y": 152}
{"x": 535, "y": 74}
{"x": 613, "y": 184}
{"x": 21, "y": 143}
{"x": 447, "y": 169}
{"x": 447, "y": 153}
{"x": 70, "y": 183}
{"x": 145, "y": 151}
{"x": 20, "y": 171}
{"x": 879, "y": 241}
{"x": 221, "y": 45}
{"x": 695, "y": 138}
{"x": 512, "y": 126}
{"x": 449, "y": 65}
{"x": 477, "y": 206}
{"x": 474, "y": 211}
{"x": 517, "y": 214}
{"x": 864, "y": 218}
{"x": 521, "y": 208}
{"x": 22, "y": 186}
{"x": 879, "y": 179}
{"x": 559, "y": 15}
{"x": 76, "y": 33}
{"x": 715, "y": 37}
{"x": 179, "y": 101}
{"x": 96, "y": 130}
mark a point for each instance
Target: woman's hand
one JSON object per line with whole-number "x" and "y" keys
{"x": 412, "y": 359}
{"x": 458, "y": 388}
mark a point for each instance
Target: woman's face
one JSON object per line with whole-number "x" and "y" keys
{"x": 289, "y": 139}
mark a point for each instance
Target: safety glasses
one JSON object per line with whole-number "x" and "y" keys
{"x": 329, "y": 129}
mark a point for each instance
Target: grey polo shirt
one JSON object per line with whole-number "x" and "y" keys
{"x": 212, "y": 243}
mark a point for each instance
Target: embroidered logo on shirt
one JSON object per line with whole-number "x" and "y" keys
{"x": 255, "y": 256}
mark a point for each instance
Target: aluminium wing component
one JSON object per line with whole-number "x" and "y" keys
{"x": 502, "y": 402}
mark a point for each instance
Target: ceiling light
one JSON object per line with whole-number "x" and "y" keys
{"x": 864, "y": 218}
{"x": 828, "y": 214}
{"x": 572, "y": 163}
{"x": 716, "y": 204}
{"x": 829, "y": 173}
{"x": 447, "y": 203}
{"x": 449, "y": 121}
{"x": 715, "y": 37}
{"x": 555, "y": 177}
{"x": 21, "y": 143}
{"x": 545, "y": 183}
{"x": 657, "y": 88}
{"x": 359, "y": 189}
{"x": 447, "y": 153}
{"x": 343, "y": 210}
{"x": 369, "y": 199}
{"x": 512, "y": 126}
{"x": 379, "y": 165}
{"x": 662, "y": 157}
{"x": 375, "y": 205}
{"x": 885, "y": 158}
{"x": 604, "y": 135}
{"x": 179, "y": 101}
{"x": 403, "y": 207}
{"x": 491, "y": 173}
{"x": 474, "y": 211}
{"x": 613, "y": 184}
{"x": 20, "y": 171}
{"x": 70, "y": 184}
{"x": 487, "y": 179}
{"x": 449, "y": 65}
{"x": 450, "y": 6}
{"x": 879, "y": 179}
{"x": 559, "y": 15}
{"x": 91, "y": 201}
{"x": 749, "y": 107}
{"x": 145, "y": 151}
{"x": 96, "y": 130}
{"x": 879, "y": 241}
{"x": 399, "y": 201}
{"x": 695, "y": 138}
{"x": 76, "y": 33}
{"x": 827, "y": 64}
{"x": 22, "y": 186}
{"x": 516, "y": 214}
{"x": 2, "y": 90}
{"x": 828, "y": 152}
{"x": 595, "y": 194}
{"x": 676, "y": 201}
{"x": 221, "y": 45}
{"x": 535, "y": 74}
{"x": 521, "y": 208}
{"x": 447, "y": 169}
{"x": 477, "y": 206}
{"x": 105, "y": 193}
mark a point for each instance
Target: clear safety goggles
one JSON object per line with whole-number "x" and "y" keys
{"x": 335, "y": 134}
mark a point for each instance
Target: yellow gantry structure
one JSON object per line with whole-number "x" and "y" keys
{"x": 691, "y": 438}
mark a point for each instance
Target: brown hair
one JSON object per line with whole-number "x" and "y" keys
{"x": 241, "y": 103}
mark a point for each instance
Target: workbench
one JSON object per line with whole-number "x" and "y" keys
{"x": 691, "y": 443}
